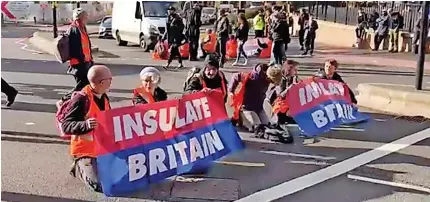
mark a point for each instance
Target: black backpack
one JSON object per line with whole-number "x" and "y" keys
{"x": 274, "y": 132}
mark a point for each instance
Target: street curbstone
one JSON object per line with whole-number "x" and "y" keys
{"x": 394, "y": 98}
{"x": 47, "y": 45}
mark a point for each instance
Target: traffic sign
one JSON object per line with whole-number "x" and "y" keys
{"x": 6, "y": 11}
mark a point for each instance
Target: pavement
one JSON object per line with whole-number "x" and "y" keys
{"x": 336, "y": 168}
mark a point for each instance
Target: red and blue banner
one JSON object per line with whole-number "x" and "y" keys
{"x": 141, "y": 145}
{"x": 317, "y": 105}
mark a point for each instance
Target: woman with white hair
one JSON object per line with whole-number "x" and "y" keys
{"x": 149, "y": 91}
{"x": 80, "y": 51}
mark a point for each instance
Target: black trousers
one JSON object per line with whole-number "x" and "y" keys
{"x": 240, "y": 50}
{"x": 194, "y": 46}
{"x": 7, "y": 89}
{"x": 79, "y": 72}
{"x": 277, "y": 51}
{"x": 259, "y": 33}
{"x": 301, "y": 37}
{"x": 174, "y": 51}
{"x": 378, "y": 39}
{"x": 221, "y": 47}
{"x": 310, "y": 43}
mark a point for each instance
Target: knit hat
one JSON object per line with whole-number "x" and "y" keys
{"x": 77, "y": 13}
{"x": 211, "y": 60}
{"x": 274, "y": 73}
{"x": 151, "y": 72}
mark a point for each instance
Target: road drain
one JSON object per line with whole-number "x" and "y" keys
{"x": 416, "y": 119}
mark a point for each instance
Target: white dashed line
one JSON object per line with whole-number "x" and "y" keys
{"x": 314, "y": 178}
{"x": 394, "y": 184}
{"x": 298, "y": 155}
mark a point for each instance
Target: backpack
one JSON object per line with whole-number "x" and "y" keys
{"x": 63, "y": 110}
{"x": 191, "y": 74}
{"x": 62, "y": 51}
{"x": 275, "y": 132}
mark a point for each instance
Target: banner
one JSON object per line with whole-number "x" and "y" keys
{"x": 142, "y": 145}
{"x": 317, "y": 105}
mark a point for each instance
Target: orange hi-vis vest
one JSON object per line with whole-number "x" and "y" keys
{"x": 223, "y": 86}
{"x": 210, "y": 46}
{"x": 83, "y": 145}
{"x": 144, "y": 94}
{"x": 280, "y": 106}
{"x": 238, "y": 94}
{"x": 86, "y": 49}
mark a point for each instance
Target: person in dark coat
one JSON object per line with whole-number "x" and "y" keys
{"x": 310, "y": 34}
{"x": 193, "y": 30}
{"x": 174, "y": 35}
{"x": 330, "y": 73}
{"x": 361, "y": 26}
{"x": 303, "y": 18}
{"x": 382, "y": 31}
{"x": 10, "y": 92}
{"x": 242, "y": 37}
{"x": 279, "y": 30}
{"x": 209, "y": 78}
{"x": 222, "y": 30}
{"x": 149, "y": 91}
{"x": 396, "y": 23}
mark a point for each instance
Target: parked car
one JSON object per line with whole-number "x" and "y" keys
{"x": 105, "y": 28}
{"x": 208, "y": 15}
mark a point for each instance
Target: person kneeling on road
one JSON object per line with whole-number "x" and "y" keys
{"x": 149, "y": 92}
{"x": 330, "y": 73}
{"x": 79, "y": 120}
{"x": 248, "y": 92}
{"x": 210, "y": 78}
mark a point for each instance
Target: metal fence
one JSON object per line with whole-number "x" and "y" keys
{"x": 346, "y": 12}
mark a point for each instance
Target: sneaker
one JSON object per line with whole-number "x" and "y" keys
{"x": 234, "y": 63}
{"x": 246, "y": 62}
{"x": 180, "y": 66}
{"x": 11, "y": 99}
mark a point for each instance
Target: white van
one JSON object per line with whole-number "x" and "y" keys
{"x": 140, "y": 22}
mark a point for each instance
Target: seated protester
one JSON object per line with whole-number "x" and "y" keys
{"x": 289, "y": 78}
{"x": 206, "y": 41}
{"x": 210, "y": 78}
{"x": 330, "y": 73}
{"x": 161, "y": 48}
{"x": 248, "y": 91}
{"x": 149, "y": 92}
{"x": 80, "y": 121}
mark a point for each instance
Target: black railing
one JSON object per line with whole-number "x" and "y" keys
{"x": 346, "y": 12}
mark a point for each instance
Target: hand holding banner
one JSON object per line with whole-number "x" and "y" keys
{"x": 145, "y": 144}
{"x": 317, "y": 105}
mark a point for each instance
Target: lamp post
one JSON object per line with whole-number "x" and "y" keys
{"x": 422, "y": 47}
{"x": 54, "y": 19}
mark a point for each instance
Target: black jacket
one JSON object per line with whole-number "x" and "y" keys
{"x": 75, "y": 121}
{"x": 222, "y": 27}
{"x": 174, "y": 30}
{"x": 194, "y": 22}
{"x": 337, "y": 77}
{"x": 302, "y": 20}
{"x": 159, "y": 95}
{"x": 279, "y": 30}
{"x": 242, "y": 32}
{"x": 195, "y": 84}
{"x": 75, "y": 44}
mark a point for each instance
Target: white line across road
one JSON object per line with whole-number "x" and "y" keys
{"x": 335, "y": 170}
{"x": 394, "y": 184}
{"x": 298, "y": 155}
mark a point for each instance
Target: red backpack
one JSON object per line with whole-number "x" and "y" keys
{"x": 63, "y": 110}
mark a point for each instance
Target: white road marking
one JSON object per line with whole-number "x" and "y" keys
{"x": 24, "y": 46}
{"x": 335, "y": 170}
{"x": 317, "y": 163}
{"x": 247, "y": 164}
{"x": 394, "y": 184}
{"x": 298, "y": 155}
{"x": 30, "y": 124}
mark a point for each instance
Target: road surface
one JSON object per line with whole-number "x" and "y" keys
{"x": 35, "y": 161}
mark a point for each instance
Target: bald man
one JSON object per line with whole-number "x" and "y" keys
{"x": 80, "y": 122}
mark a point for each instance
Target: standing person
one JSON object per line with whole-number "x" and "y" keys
{"x": 80, "y": 121}
{"x": 361, "y": 26}
{"x": 279, "y": 31}
{"x": 310, "y": 35}
{"x": 303, "y": 18}
{"x": 149, "y": 91}
{"x": 222, "y": 29}
{"x": 382, "y": 30}
{"x": 10, "y": 92}
{"x": 80, "y": 52}
{"x": 259, "y": 24}
{"x": 193, "y": 30}
{"x": 242, "y": 37}
{"x": 174, "y": 35}
{"x": 396, "y": 23}
{"x": 267, "y": 22}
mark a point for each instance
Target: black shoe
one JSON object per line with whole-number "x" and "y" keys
{"x": 395, "y": 51}
{"x": 305, "y": 53}
{"x": 11, "y": 99}
{"x": 301, "y": 48}
{"x": 180, "y": 66}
